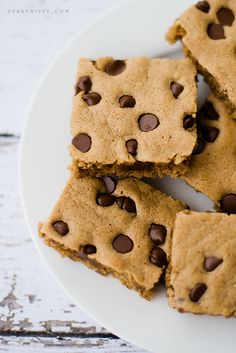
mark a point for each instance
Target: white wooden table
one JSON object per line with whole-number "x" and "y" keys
{"x": 35, "y": 315}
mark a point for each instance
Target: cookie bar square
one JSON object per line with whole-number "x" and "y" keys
{"x": 134, "y": 117}
{"x": 201, "y": 276}
{"x": 119, "y": 227}
{"x": 208, "y": 31}
{"x": 213, "y": 166}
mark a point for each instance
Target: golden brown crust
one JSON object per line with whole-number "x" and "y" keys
{"x": 214, "y": 57}
{"x": 215, "y": 86}
{"x": 198, "y": 236}
{"x": 213, "y": 171}
{"x": 176, "y": 32}
{"x": 162, "y": 150}
{"x": 137, "y": 170}
{"x": 89, "y": 223}
{"x": 94, "y": 265}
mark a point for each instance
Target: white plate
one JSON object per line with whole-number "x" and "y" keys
{"x": 137, "y": 28}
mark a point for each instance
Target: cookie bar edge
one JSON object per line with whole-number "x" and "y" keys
{"x": 94, "y": 265}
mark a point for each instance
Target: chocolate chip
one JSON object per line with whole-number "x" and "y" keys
{"x": 225, "y": 16}
{"x": 215, "y": 31}
{"x": 176, "y": 89}
{"x": 105, "y": 200}
{"x": 126, "y": 203}
{"x": 210, "y": 112}
{"x": 203, "y": 6}
{"x": 120, "y": 201}
{"x": 200, "y": 145}
{"x": 188, "y": 122}
{"x": 211, "y": 262}
{"x": 89, "y": 249}
{"x": 158, "y": 257}
{"x": 122, "y": 244}
{"x": 228, "y": 203}
{"x": 82, "y": 142}
{"x": 110, "y": 184}
{"x": 84, "y": 84}
{"x": 129, "y": 205}
{"x": 201, "y": 115}
{"x": 127, "y": 102}
{"x": 148, "y": 122}
{"x": 61, "y": 227}
{"x": 209, "y": 133}
{"x": 115, "y": 67}
{"x": 197, "y": 292}
{"x": 132, "y": 146}
{"x": 92, "y": 98}
{"x": 158, "y": 233}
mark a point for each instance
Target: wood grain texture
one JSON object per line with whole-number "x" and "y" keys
{"x": 39, "y": 344}
{"x": 35, "y": 315}
{"x": 30, "y": 41}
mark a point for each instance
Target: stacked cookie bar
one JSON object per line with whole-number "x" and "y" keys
{"x": 119, "y": 227}
{"x": 133, "y": 118}
{"x": 201, "y": 274}
{"x": 126, "y": 113}
{"x": 137, "y": 118}
{"x": 207, "y": 31}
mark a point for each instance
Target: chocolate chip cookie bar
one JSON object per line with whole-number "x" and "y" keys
{"x": 134, "y": 117}
{"x": 208, "y": 31}
{"x": 213, "y": 165}
{"x": 114, "y": 226}
{"x": 201, "y": 276}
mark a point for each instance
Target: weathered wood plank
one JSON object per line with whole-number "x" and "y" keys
{"x": 29, "y": 298}
{"x": 30, "y": 41}
{"x": 39, "y": 344}
{"x": 32, "y": 306}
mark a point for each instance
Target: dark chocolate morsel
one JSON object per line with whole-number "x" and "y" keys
{"x": 215, "y": 31}
{"x": 209, "y": 133}
{"x": 148, "y": 122}
{"x": 122, "y": 244}
{"x": 61, "y": 227}
{"x": 127, "y": 101}
{"x": 89, "y": 249}
{"x": 200, "y": 145}
{"x": 84, "y": 84}
{"x": 129, "y": 205}
{"x": 225, "y": 16}
{"x": 211, "y": 262}
{"x": 132, "y": 146}
{"x": 228, "y": 203}
{"x": 203, "y": 6}
{"x": 105, "y": 200}
{"x": 210, "y": 112}
{"x": 158, "y": 257}
{"x": 126, "y": 203}
{"x": 197, "y": 292}
{"x": 158, "y": 233}
{"x": 92, "y": 98}
{"x": 82, "y": 142}
{"x": 176, "y": 89}
{"x": 110, "y": 183}
{"x": 115, "y": 67}
{"x": 120, "y": 201}
{"x": 188, "y": 122}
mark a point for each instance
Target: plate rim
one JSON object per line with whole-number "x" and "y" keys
{"x": 101, "y": 321}
{"x": 87, "y": 27}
